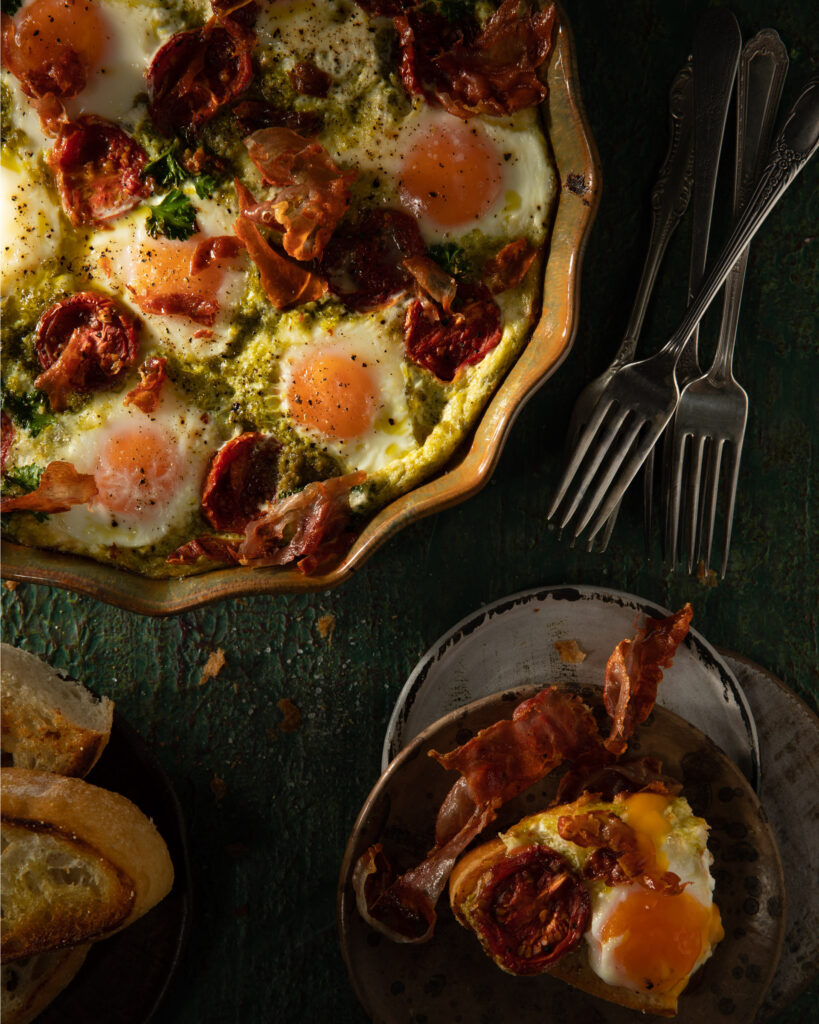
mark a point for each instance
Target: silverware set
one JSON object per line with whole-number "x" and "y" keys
{"x": 619, "y": 418}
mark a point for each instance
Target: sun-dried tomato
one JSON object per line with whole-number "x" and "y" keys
{"x": 530, "y": 909}
{"x": 84, "y": 343}
{"x": 98, "y": 170}
{"x": 442, "y": 342}
{"x": 364, "y": 262}
{"x": 243, "y": 475}
{"x": 197, "y": 72}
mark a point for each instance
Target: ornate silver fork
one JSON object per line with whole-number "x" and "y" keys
{"x": 669, "y": 200}
{"x": 708, "y": 427}
{"x": 640, "y": 398}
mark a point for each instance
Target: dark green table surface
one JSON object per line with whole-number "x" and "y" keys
{"x": 267, "y": 840}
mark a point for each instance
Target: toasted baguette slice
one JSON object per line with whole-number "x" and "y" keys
{"x": 78, "y": 863}
{"x": 574, "y": 967}
{"x": 29, "y": 985}
{"x": 47, "y": 722}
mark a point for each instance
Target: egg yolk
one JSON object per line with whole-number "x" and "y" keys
{"x": 644, "y": 812}
{"x": 661, "y": 937}
{"x": 137, "y": 472}
{"x": 335, "y": 395}
{"x": 163, "y": 266}
{"x": 46, "y": 29}
{"x": 453, "y": 175}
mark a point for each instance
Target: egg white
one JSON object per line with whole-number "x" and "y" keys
{"x": 372, "y": 340}
{"x": 30, "y": 226}
{"x": 191, "y": 440}
{"x": 120, "y": 249}
{"x": 684, "y": 848}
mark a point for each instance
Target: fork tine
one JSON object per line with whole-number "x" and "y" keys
{"x": 674, "y": 457}
{"x": 692, "y": 500}
{"x": 584, "y": 442}
{"x": 734, "y": 455}
{"x": 596, "y": 451}
{"x": 708, "y": 509}
{"x": 620, "y": 465}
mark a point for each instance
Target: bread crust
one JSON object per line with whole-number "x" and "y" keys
{"x": 574, "y": 968}
{"x": 47, "y": 722}
{"x": 104, "y": 830}
{"x": 40, "y": 980}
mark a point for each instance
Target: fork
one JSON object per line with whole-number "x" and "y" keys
{"x": 709, "y": 421}
{"x": 669, "y": 200}
{"x": 641, "y": 397}
{"x": 717, "y": 48}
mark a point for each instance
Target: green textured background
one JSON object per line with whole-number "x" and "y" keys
{"x": 264, "y": 945}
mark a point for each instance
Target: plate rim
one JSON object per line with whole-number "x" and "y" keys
{"x": 472, "y": 621}
{"x": 345, "y": 899}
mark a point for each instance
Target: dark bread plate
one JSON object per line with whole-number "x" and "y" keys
{"x": 450, "y": 978}
{"x": 124, "y": 978}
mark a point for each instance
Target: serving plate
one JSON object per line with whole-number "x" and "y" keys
{"x": 124, "y": 978}
{"x": 579, "y": 178}
{"x": 451, "y": 979}
{"x": 511, "y": 643}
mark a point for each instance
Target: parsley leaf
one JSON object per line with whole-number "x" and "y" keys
{"x": 205, "y": 185}
{"x": 29, "y": 410}
{"x": 451, "y": 258}
{"x": 166, "y": 169}
{"x": 27, "y": 477}
{"x": 173, "y": 217}
{"x": 455, "y": 10}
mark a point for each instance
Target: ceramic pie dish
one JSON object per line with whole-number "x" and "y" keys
{"x": 578, "y": 173}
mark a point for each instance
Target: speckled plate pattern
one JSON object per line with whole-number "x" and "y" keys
{"x": 450, "y": 980}
{"x": 511, "y": 643}
{"x": 579, "y": 181}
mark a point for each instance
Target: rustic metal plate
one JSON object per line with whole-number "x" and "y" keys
{"x": 511, "y": 643}
{"x": 450, "y": 979}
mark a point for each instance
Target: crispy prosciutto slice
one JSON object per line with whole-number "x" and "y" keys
{"x": 492, "y": 72}
{"x": 152, "y": 374}
{"x": 98, "y": 170}
{"x": 198, "y": 72}
{"x": 309, "y": 528}
{"x": 442, "y": 341}
{"x": 60, "y": 488}
{"x": 619, "y": 857}
{"x": 634, "y": 671}
{"x": 84, "y": 343}
{"x": 285, "y": 282}
{"x": 508, "y": 267}
{"x": 310, "y": 194}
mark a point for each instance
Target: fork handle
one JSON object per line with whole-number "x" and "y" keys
{"x": 762, "y": 69}
{"x": 669, "y": 201}
{"x": 794, "y": 146}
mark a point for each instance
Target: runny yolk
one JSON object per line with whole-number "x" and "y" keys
{"x": 163, "y": 266}
{"x": 335, "y": 395}
{"x": 138, "y": 472}
{"x": 46, "y": 29}
{"x": 662, "y": 937}
{"x": 453, "y": 174}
